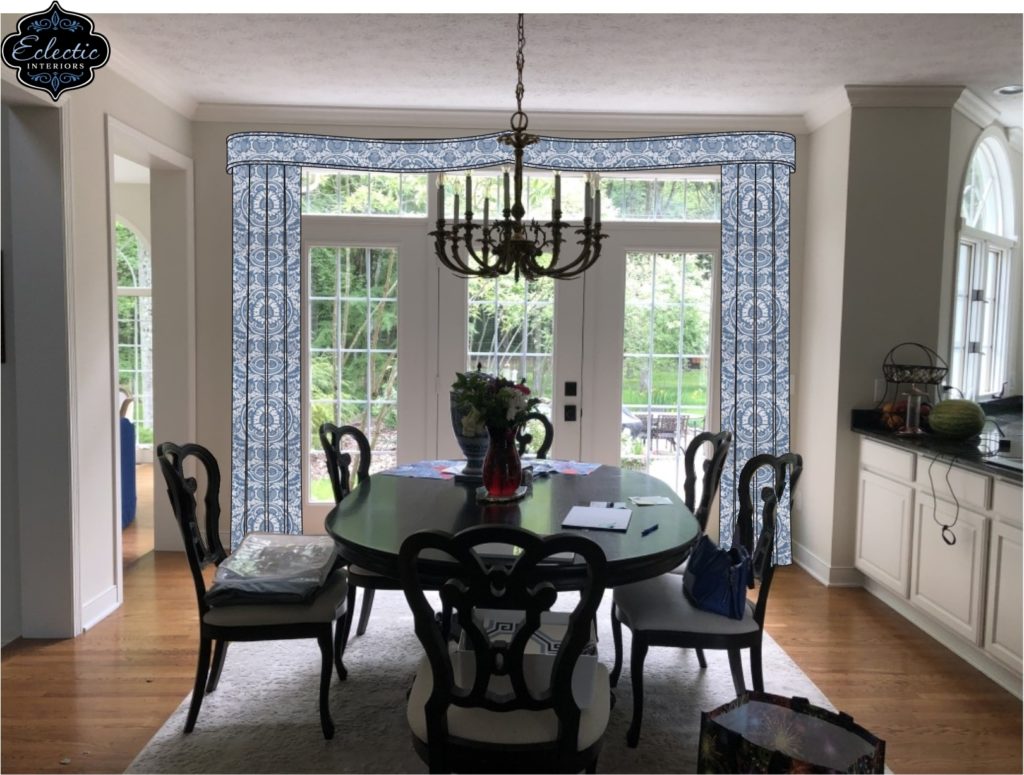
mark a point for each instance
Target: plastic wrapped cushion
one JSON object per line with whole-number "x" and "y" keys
{"x": 273, "y": 568}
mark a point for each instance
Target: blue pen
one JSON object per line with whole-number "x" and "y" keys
{"x": 648, "y": 530}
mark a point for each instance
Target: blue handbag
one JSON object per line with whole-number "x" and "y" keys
{"x": 716, "y": 579}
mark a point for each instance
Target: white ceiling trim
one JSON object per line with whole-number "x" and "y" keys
{"x": 976, "y": 109}
{"x": 597, "y": 124}
{"x": 833, "y": 104}
{"x": 146, "y": 79}
{"x": 903, "y": 96}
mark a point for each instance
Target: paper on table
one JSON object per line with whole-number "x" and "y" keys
{"x": 601, "y": 518}
{"x": 650, "y": 500}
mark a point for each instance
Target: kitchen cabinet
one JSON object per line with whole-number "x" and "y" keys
{"x": 967, "y": 595}
{"x": 884, "y": 524}
{"x": 948, "y": 580}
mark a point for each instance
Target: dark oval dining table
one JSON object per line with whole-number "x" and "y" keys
{"x": 370, "y": 524}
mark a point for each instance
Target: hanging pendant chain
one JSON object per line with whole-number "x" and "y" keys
{"x": 519, "y": 120}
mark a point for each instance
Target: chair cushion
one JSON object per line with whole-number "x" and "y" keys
{"x": 273, "y": 568}
{"x": 521, "y": 727}
{"x": 327, "y": 606}
{"x": 659, "y": 604}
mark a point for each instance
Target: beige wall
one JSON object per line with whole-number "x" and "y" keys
{"x": 131, "y": 203}
{"x": 895, "y": 237}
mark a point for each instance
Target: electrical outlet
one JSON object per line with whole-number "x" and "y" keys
{"x": 879, "y": 389}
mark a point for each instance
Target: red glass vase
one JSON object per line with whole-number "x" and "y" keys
{"x": 502, "y": 471}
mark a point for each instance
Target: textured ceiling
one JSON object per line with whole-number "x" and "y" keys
{"x": 778, "y": 64}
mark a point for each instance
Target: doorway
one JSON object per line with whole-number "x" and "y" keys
{"x": 153, "y": 302}
{"x": 134, "y": 356}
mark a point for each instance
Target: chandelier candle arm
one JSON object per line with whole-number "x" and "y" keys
{"x": 510, "y": 245}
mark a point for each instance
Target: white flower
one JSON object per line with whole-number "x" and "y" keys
{"x": 515, "y": 402}
{"x": 473, "y": 423}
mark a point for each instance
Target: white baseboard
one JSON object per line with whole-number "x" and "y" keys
{"x": 830, "y": 576}
{"x": 969, "y": 652}
{"x": 100, "y": 607}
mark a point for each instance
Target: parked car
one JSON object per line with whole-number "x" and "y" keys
{"x": 633, "y": 423}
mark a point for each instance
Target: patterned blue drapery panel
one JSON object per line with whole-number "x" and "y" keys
{"x": 266, "y": 472}
{"x": 755, "y": 330}
{"x": 456, "y": 153}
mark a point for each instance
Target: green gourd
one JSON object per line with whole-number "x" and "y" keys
{"x": 957, "y": 418}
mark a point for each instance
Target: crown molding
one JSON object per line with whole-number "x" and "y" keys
{"x": 826, "y": 108}
{"x": 150, "y": 82}
{"x": 1013, "y": 137}
{"x": 976, "y": 109}
{"x": 488, "y": 121}
{"x": 903, "y": 96}
{"x": 16, "y": 93}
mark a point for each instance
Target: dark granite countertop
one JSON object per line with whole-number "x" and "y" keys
{"x": 980, "y": 453}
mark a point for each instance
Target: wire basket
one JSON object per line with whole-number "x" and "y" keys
{"x": 927, "y": 374}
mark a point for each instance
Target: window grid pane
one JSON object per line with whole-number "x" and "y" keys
{"x": 666, "y": 351}
{"x": 353, "y": 353}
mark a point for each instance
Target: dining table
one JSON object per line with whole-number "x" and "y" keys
{"x": 370, "y": 524}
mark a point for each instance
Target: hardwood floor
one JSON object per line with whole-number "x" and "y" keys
{"x": 90, "y": 704}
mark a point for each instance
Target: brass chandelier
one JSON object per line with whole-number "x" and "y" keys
{"x": 509, "y": 244}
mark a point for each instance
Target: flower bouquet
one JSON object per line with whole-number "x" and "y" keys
{"x": 489, "y": 409}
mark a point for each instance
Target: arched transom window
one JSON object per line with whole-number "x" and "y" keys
{"x": 986, "y": 301}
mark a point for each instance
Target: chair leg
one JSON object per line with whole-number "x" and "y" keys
{"x": 219, "y": 652}
{"x": 350, "y": 609}
{"x": 326, "y": 668}
{"x": 638, "y": 652}
{"x": 756, "y": 673}
{"x": 613, "y": 679}
{"x": 364, "y": 612}
{"x": 700, "y": 659}
{"x": 736, "y": 666}
{"x": 592, "y": 766}
{"x": 339, "y": 647}
{"x": 202, "y": 670}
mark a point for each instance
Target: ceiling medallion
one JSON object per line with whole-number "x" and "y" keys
{"x": 510, "y": 245}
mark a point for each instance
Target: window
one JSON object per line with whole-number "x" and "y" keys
{"x": 983, "y": 307}
{"x": 328, "y": 192}
{"x": 682, "y": 196}
{"x": 135, "y": 328}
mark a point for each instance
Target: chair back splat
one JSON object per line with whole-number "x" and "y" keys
{"x": 524, "y": 438}
{"x": 499, "y": 682}
{"x": 338, "y": 462}
{"x": 201, "y": 550}
{"x": 713, "y": 466}
{"x": 779, "y": 472}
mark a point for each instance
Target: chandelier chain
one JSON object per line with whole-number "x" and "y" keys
{"x": 519, "y": 119}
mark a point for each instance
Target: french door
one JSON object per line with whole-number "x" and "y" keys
{"x": 650, "y": 358}
{"x": 365, "y": 343}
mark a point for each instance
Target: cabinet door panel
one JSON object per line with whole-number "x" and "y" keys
{"x": 948, "y": 581}
{"x": 884, "y": 518}
{"x": 1003, "y": 617}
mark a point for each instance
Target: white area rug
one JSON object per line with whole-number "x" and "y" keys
{"x": 263, "y": 717}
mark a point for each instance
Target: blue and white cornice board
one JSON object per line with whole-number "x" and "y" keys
{"x": 266, "y": 473}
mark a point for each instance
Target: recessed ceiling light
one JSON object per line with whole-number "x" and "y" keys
{"x": 1009, "y": 90}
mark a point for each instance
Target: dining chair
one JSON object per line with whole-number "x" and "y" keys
{"x": 525, "y": 437}
{"x": 249, "y": 619}
{"x": 339, "y": 463}
{"x": 657, "y": 612}
{"x": 521, "y": 693}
